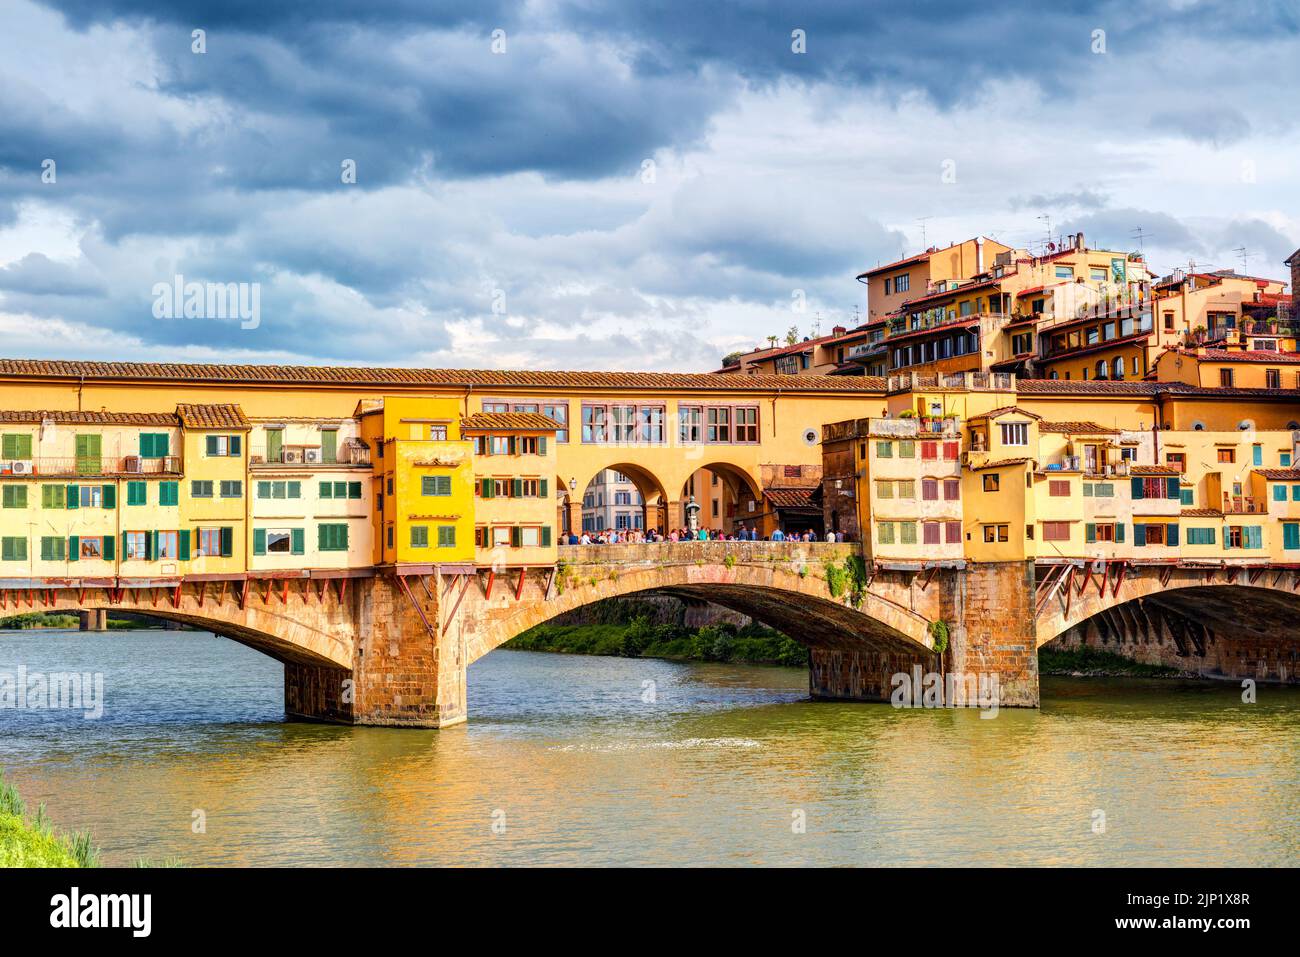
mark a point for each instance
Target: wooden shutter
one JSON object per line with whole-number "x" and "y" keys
{"x": 109, "y": 545}
{"x": 74, "y": 547}
{"x": 296, "y": 541}
{"x": 259, "y": 541}
{"x": 74, "y": 496}
{"x": 541, "y": 445}
{"x": 546, "y": 536}
{"x": 235, "y": 445}
{"x": 543, "y": 488}
{"x": 1137, "y": 487}
{"x": 183, "y": 545}
{"x": 227, "y": 541}
{"x": 516, "y": 488}
{"x": 516, "y": 536}
{"x": 1171, "y": 488}
{"x": 110, "y": 496}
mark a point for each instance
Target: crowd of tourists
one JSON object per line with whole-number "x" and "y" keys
{"x": 742, "y": 533}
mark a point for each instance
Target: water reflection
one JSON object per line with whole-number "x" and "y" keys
{"x": 581, "y": 768}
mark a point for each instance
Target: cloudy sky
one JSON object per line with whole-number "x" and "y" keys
{"x": 597, "y": 183}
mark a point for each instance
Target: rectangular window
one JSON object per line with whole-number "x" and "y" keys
{"x": 56, "y": 496}
{"x": 929, "y": 451}
{"x": 690, "y": 425}
{"x": 1058, "y": 488}
{"x": 13, "y": 549}
{"x": 446, "y": 536}
{"x": 1200, "y": 536}
{"x": 53, "y": 548}
{"x": 169, "y": 493}
{"x": 16, "y": 446}
{"x": 209, "y": 542}
{"x": 332, "y": 538}
{"x": 907, "y": 488}
{"x": 884, "y": 450}
{"x": 135, "y": 546}
{"x": 991, "y": 482}
{"x": 885, "y": 533}
{"x": 951, "y": 532}
{"x": 1015, "y": 433}
{"x": 329, "y": 446}
{"x": 747, "y": 424}
{"x": 15, "y": 496}
{"x": 560, "y": 413}
{"x": 137, "y": 493}
{"x": 718, "y": 424}
{"x": 930, "y": 533}
{"x": 1272, "y": 379}
{"x": 929, "y": 490}
{"x": 435, "y": 485}
{"x": 154, "y": 445}
{"x": 1185, "y": 496}
{"x": 279, "y": 541}
{"x": 906, "y": 449}
{"x": 951, "y": 490}
{"x": 907, "y": 533}
{"x": 1225, "y": 378}
{"x": 884, "y": 489}
{"x": 232, "y": 489}
{"x": 1290, "y": 536}
{"x": 996, "y": 533}
{"x": 1056, "y": 531}
{"x": 1227, "y": 455}
{"x": 167, "y": 545}
{"x": 198, "y": 489}
{"x": 419, "y": 536}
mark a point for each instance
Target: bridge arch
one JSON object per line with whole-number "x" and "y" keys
{"x": 789, "y": 592}
{"x": 653, "y": 491}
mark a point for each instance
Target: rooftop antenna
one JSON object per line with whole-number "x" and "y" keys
{"x": 1245, "y": 260}
{"x": 921, "y": 220}
{"x": 1137, "y": 232}
{"x": 1048, "y": 221}
{"x": 817, "y": 324}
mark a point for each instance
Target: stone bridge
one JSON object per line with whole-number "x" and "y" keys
{"x": 391, "y": 646}
{"x": 1215, "y": 620}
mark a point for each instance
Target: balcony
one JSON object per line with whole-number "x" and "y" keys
{"x": 1243, "y": 505}
{"x": 905, "y": 325}
{"x": 971, "y": 381}
{"x": 349, "y": 455}
{"x": 917, "y": 428}
{"x": 55, "y": 466}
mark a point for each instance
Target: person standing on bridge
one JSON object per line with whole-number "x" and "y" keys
{"x": 777, "y": 536}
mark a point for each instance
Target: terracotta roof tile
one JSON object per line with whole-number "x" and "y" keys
{"x": 1248, "y": 355}
{"x": 1153, "y": 470}
{"x": 791, "y": 497}
{"x": 1076, "y": 428}
{"x": 1280, "y": 475}
{"x": 452, "y": 378}
{"x": 91, "y": 418}
{"x": 1201, "y": 513}
{"x": 515, "y": 421}
{"x": 1005, "y": 410}
{"x": 215, "y": 416}
{"x": 998, "y": 464}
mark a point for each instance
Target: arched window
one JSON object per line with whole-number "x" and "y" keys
{"x": 1119, "y": 368}
{"x": 1054, "y": 375}
{"x": 1101, "y": 368}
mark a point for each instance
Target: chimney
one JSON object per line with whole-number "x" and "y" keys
{"x": 1078, "y": 241}
{"x": 838, "y": 331}
{"x": 1294, "y": 262}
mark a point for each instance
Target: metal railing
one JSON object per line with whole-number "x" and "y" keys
{"x": 98, "y": 465}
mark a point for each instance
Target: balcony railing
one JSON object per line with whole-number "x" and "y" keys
{"x": 100, "y": 465}
{"x": 308, "y": 457}
{"x": 1243, "y": 505}
{"x": 974, "y": 381}
{"x": 917, "y": 428}
{"x": 905, "y": 324}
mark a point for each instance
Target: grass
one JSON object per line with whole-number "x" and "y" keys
{"x": 1092, "y": 661}
{"x": 49, "y": 619}
{"x": 33, "y": 843}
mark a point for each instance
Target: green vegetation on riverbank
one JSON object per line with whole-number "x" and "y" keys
{"x": 48, "y": 619}
{"x": 33, "y": 843}
{"x": 1099, "y": 664}
{"x": 641, "y": 638}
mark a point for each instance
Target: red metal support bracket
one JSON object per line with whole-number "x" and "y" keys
{"x": 410, "y": 596}
{"x": 451, "y": 616}
{"x": 492, "y": 577}
{"x": 519, "y": 589}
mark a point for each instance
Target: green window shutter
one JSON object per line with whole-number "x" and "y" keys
{"x": 516, "y": 488}
{"x": 487, "y": 488}
{"x": 340, "y": 489}
{"x": 74, "y": 547}
{"x": 354, "y": 490}
{"x": 428, "y": 485}
{"x": 109, "y": 497}
{"x": 1185, "y": 496}
{"x": 47, "y": 495}
{"x": 1254, "y": 537}
{"x": 162, "y": 445}
{"x": 546, "y": 536}
{"x": 235, "y": 445}
{"x": 1257, "y": 455}
{"x": 322, "y": 538}
{"x": 259, "y": 541}
{"x": 1295, "y": 493}
{"x": 274, "y": 444}
{"x": 543, "y": 488}
{"x": 263, "y": 489}
{"x": 296, "y": 543}
{"x": 227, "y": 541}
{"x": 541, "y": 445}
{"x": 329, "y": 446}
{"x": 295, "y": 490}
{"x": 125, "y": 550}
{"x": 211, "y": 445}
{"x": 47, "y": 550}
{"x": 74, "y": 496}
{"x": 1087, "y": 490}
{"x": 1137, "y": 487}
{"x": 137, "y": 493}
{"x": 419, "y": 536}
{"x": 1139, "y": 534}
{"x": 151, "y": 545}
{"x": 1290, "y": 535}
{"x": 342, "y": 537}
{"x": 1171, "y": 487}
{"x": 516, "y": 536}
{"x": 446, "y": 536}
{"x": 146, "y": 445}
{"x": 1119, "y": 531}
{"x": 183, "y": 545}
{"x": 1171, "y": 537}
{"x": 1090, "y": 532}
{"x": 326, "y": 489}
{"x": 110, "y": 548}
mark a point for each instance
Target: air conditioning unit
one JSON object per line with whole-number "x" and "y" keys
{"x": 311, "y": 456}
{"x": 22, "y": 468}
{"x": 291, "y": 456}
{"x": 131, "y": 463}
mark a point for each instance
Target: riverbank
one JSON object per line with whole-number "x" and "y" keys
{"x": 641, "y": 638}
{"x": 33, "y": 843}
{"x": 1091, "y": 663}
{"x": 60, "y": 620}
